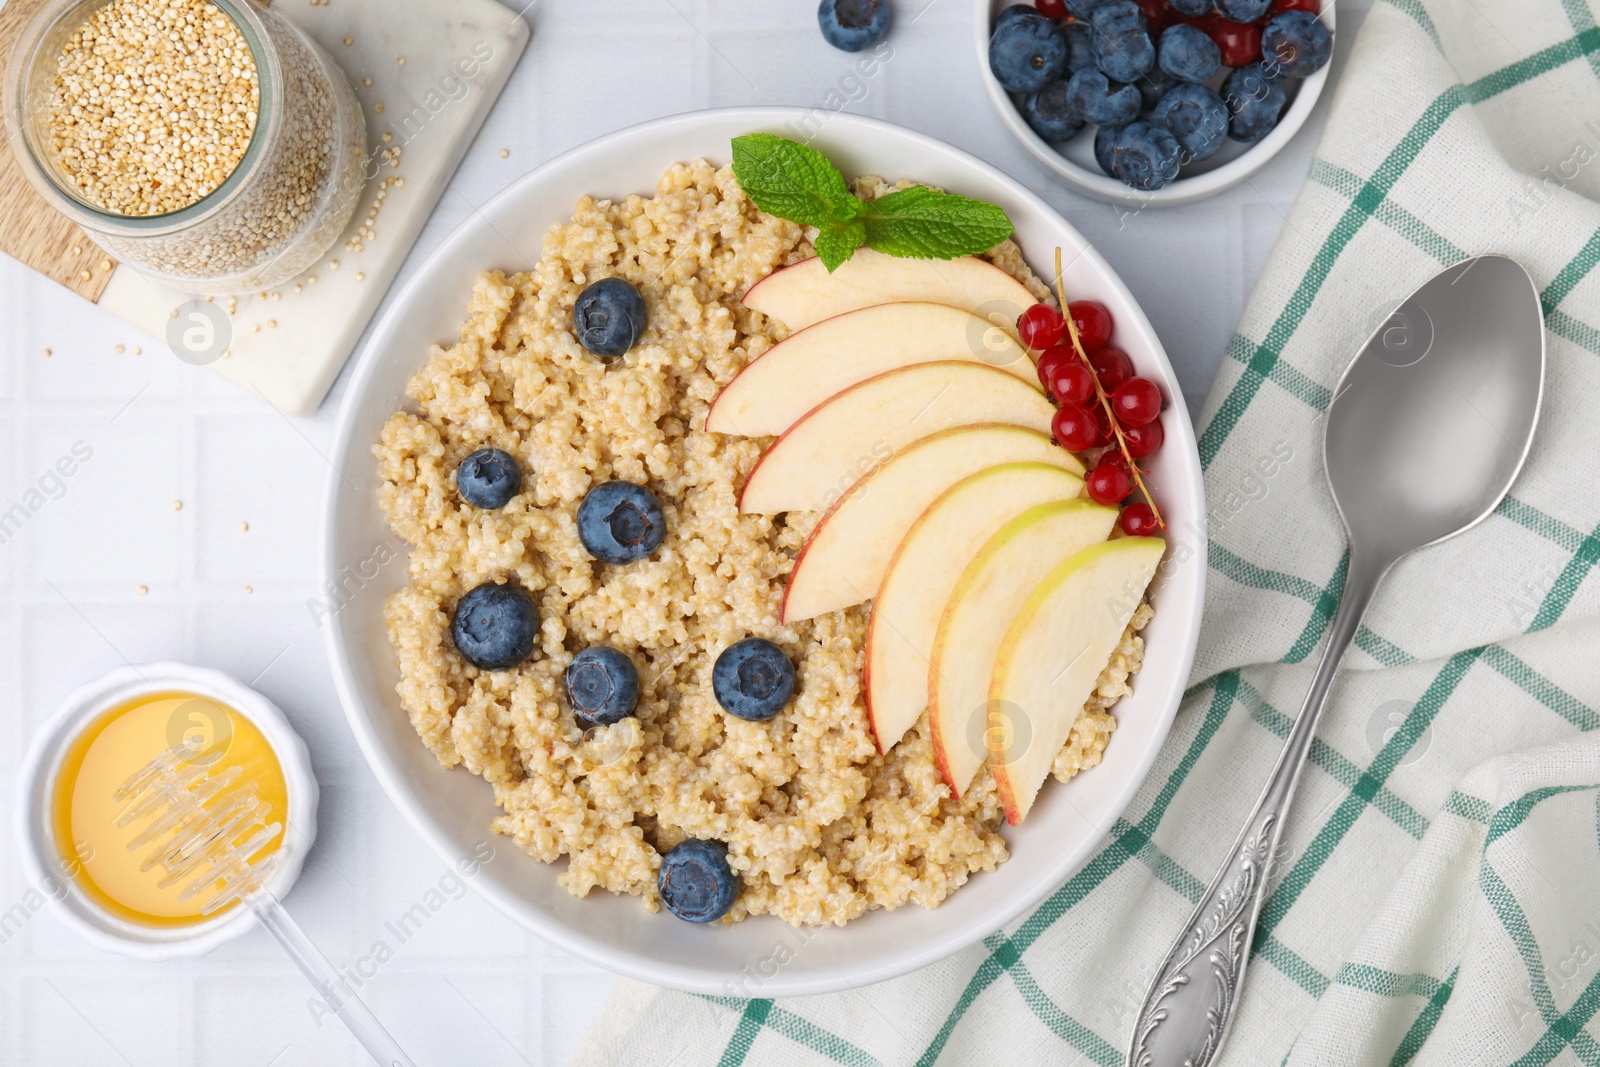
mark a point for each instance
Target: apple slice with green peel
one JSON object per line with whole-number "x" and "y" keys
{"x": 924, "y": 568}
{"x": 986, "y": 599}
{"x": 849, "y": 549}
{"x": 809, "y": 366}
{"x": 805, "y": 293}
{"x": 1052, "y": 655}
{"x": 853, "y": 433}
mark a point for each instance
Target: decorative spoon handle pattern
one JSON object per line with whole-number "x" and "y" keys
{"x": 1191, "y": 1002}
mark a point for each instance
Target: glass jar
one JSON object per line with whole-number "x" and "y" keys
{"x": 286, "y": 201}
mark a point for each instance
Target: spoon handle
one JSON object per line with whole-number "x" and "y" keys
{"x": 1190, "y": 1004}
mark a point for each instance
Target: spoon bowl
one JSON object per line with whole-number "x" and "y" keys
{"x": 1432, "y": 421}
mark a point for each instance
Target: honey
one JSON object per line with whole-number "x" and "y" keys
{"x": 85, "y": 811}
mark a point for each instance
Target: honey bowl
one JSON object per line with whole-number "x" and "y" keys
{"x": 87, "y": 851}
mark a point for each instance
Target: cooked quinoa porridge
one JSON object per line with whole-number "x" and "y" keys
{"x": 819, "y": 826}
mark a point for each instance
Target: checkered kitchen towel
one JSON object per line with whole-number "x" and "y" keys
{"x": 1439, "y": 899}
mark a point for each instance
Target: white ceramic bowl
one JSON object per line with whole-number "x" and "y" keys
{"x": 41, "y": 856}
{"x": 1075, "y": 162}
{"x": 453, "y": 809}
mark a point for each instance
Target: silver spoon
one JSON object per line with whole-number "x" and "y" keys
{"x": 1427, "y": 430}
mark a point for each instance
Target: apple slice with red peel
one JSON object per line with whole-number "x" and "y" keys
{"x": 849, "y": 549}
{"x": 809, "y": 366}
{"x": 985, "y": 601}
{"x": 805, "y": 293}
{"x": 851, "y": 434}
{"x": 1052, "y": 655}
{"x": 917, "y": 583}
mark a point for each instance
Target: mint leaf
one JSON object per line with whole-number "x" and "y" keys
{"x": 836, "y": 245}
{"x": 792, "y": 181}
{"x": 922, "y": 223}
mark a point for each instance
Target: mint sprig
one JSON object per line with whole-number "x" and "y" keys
{"x": 796, "y": 182}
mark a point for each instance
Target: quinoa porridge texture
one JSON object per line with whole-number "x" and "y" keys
{"x": 819, "y": 826}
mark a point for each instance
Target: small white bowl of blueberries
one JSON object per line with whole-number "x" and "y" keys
{"x": 1154, "y": 102}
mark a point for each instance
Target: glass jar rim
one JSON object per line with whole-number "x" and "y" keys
{"x": 28, "y": 53}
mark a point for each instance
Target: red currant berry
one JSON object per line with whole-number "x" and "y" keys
{"x": 1157, "y": 15}
{"x": 1075, "y": 429}
{"x": 1108, "y": 484}
{"x": 1102, "y": 422}
{"x": 1144, "y": 440}
{"x": 1052, "y": 359}
{"x": 1052, "y": 9}
{"x": 1040, "y": 326}
{"x": 1112, "y": 366}
{"x": 1136, "y": 402}
{"x": 1310, "y": 7}
{"x": 1070, "y": 383}
{"x": 1139, "y": 520}
{"x": 1093, "y": 322}
{"x": 1114, "y": 458}
{"x": 1240, "y": 42}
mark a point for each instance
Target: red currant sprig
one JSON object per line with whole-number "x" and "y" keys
{"x": 1110, "y": 481}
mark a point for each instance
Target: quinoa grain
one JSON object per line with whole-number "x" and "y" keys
{"x": 154, "y": 104}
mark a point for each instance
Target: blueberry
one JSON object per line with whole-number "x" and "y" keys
{"x": 851, "y": 25}
{"x": 1153, "y": 86}
{"x": 1084, "y": 9}
{"x": 619, "y": 522}
{"x": 488, "y": 479}
{"x": 608, "y": 317}
{"x": 1080, "y": 47}
{"x": 494, "y": 626}
{"x": 1192, "y": 7}
{"x": 695, "y": 881}
{"x": 1188, "y": 54}
{"x": 752, "y": 679}
{"x": 1299, "y": 41}
{"x": 1106, "y": 139}
{"x": 1009, "y": 13}
{"x": 1147, "y": 156}
{"x": 1051, "y": 114}
{"x": 1242, "y": 10}
{"x": 1123, "y": 49}
{"x": 1098, "y": 100}
{"x": 1197, "y": 117}
{"x": 602, "y": 686}
{"x": 1256, "y": 100}
{"x": 1027, "y": 53}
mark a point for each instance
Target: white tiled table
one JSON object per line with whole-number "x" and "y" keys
{"x": 470, "y": 987}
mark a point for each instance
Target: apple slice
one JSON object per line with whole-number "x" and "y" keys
{"x": 804, "y": 293}
{"x": 809, "y": 366}
{"x": 985, "y": 600}
{"x": 917, "y": 583}
{"x": 845, "y": 557}
{"x": 848, "y": 435}
{"x": 1051, "y": 656}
